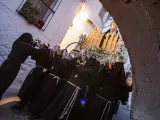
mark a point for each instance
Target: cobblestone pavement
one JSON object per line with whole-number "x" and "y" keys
{"x": 6, "y": 112}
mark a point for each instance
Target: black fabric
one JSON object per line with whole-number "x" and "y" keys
{"x": 60, "y": 67}
{"x": 81, "y": 77}
{"x": 25, "y": 37}
{"x": 95, "y": 109}
{"x": 51, "y": 88}
{"x": 89, "y": 71}
{"x": 111, "y": 81}
{"x": 8, "y": 73}
{"x": 57, "y": 106}
{"x": 125, "y": 89}
{"x": 25, "y": 84}
{"x": 30, "y": 89}
{"x": 63, "y": 69}
{"x": 79, "y": 109}
{"x": 125, "y": 94}
{"x": 21, "y": 49}
{"x": 44, "y": 58}
{"x": 116, "y": 107}
{"x": 72, "y": 66}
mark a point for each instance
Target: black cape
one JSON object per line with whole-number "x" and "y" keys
{"x": 30, "y": 90}
{"x": 10, "y": 68}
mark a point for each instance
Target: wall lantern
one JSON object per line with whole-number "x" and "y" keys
{"x": 83, "y": 16}
{"x": 77, "y": 22}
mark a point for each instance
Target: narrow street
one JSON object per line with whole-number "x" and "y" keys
{"x": 6, "y": 112}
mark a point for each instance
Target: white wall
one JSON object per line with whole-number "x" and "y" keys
{"x": 13, "y": 25}
{"x": 92, "y": 8}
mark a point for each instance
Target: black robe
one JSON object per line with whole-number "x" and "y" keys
{"x": 60, "y": 67}
{"x": 30, "y": 90}
{"x": 21, "y": 49}
{"x": 89, "y": 71}
{"x": 111, "y": 82}
{"x": 64, "y": 106}
{"x": 43, "y": 59}
{"x": 108, "y": 84}
{"x": 125, "y": 93}
{"x": 81, "y": 77}
{"x": 51, "y": 85}
{"x": 51, "y": 88}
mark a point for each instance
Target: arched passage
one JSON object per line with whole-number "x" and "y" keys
{"x": 139, "y": 23}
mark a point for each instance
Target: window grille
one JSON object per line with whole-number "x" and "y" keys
{"x": 38, "y": 12}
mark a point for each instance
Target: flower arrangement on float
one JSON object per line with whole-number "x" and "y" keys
{"x": 112, "y": 52}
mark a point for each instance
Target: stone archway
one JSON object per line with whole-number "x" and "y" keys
{"x": 139, "y": 24}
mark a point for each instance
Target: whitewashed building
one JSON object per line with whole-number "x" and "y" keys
{"x": 48, "y": 20}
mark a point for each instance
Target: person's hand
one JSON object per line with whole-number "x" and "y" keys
{"x": 129, "y": 82}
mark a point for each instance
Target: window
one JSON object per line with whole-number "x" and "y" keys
{"x": 37, "y": 12}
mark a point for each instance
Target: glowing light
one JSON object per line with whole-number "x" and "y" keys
{"x": 83, "y": 101}
{"x": 83, "y": 16}
{"x": 76, "y": 22}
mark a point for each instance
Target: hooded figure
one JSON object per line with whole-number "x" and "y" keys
{"x": 21, "y": 49}
{"x": 30, "y": 90}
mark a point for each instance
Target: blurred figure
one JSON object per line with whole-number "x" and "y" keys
{"x": 21, "y": 49}
{"x": 129, "y": 79}
{"x": 113, "y": 27}
{"x": 56, "y": 48}
{"x": 130, "y": 84}
{"x": 29, "y": 91}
